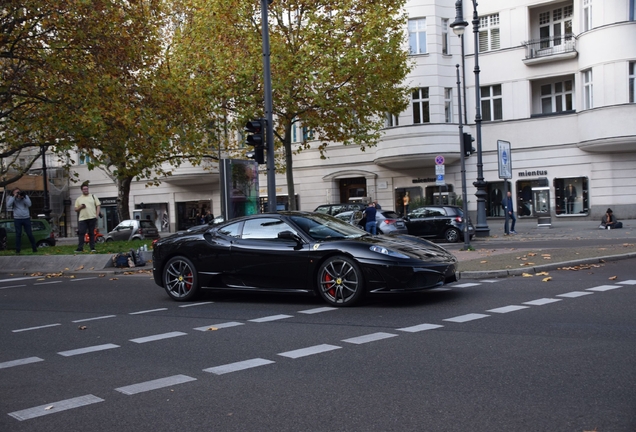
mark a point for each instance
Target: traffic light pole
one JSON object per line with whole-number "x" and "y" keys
{"x": 269, "y": 115}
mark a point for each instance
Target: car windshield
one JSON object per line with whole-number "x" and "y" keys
{"x": 324, "y": 227}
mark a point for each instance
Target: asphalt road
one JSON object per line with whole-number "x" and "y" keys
{"x": 515, "y": 354}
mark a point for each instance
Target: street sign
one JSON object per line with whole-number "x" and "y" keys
{"x": 440, "y": 180}
{"x": 440, "y": 169}
{"x": 439, "y": 160}
{"x": 504, "y": 155}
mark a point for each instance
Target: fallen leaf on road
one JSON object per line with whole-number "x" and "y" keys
{"x": 212, "y": 328}
{"x": 547, "y": 258}
{"x": 82, "y": 327}
{"x": 543, "y": 274}
{"x": 113, "y": 279}
{"x": 546, "y": 279}
{"x": 613, "y": 278}
{"x": 50, "y": 407}
{"x": 531, "y": 254}
{"x": 483, "y": 262}
{"x": 526, "y": 275}
{"x": 80, "y": 267}
{"x": 545, "y": 255}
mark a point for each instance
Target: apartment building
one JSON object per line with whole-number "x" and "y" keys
{"x": 556, "y": 82}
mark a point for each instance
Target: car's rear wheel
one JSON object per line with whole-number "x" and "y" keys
{"x": 180, "y": 279}
{"x": 452, "y": 235}
{"x": 100, "y": 239}
{"x": 340, "y": 281}
{"x": 43, "y": 244}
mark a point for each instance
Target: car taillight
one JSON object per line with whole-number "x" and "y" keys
{"x": 389, "y": 221}
{"x": 458, "y": 219}
{"x": 140, "y": 231}
{"x": 52, "y": 235}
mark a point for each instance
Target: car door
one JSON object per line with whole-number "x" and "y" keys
{"x": 417, "y": 222}
{"x": 123, "y": 231}
{"x": 437, "y": 222}
{"x": 261, "y": 260}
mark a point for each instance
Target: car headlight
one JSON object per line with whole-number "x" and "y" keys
{"x": 389, "y": 252}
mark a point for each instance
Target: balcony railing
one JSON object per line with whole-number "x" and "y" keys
{"x": 546, "y": 47}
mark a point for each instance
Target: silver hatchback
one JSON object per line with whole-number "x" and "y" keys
{"x": 388, "y": 221}
{"x": 133, "y": 229}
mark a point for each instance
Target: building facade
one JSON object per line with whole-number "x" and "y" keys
{"x": 556, "y": 82}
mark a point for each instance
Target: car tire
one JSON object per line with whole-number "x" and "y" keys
{"x": 180, "y": 279}
{"x": 452, "y": 235}
{"x": 109, "y": 239}
{"x": 100, "y": 239}
{"x": 340, "y": 281}
{"x": 43, "y": 244}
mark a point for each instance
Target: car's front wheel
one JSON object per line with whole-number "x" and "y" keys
{"x": 452, "y": 235}
{"x": 180, "y": 279}
{"x": 340, "y": 281}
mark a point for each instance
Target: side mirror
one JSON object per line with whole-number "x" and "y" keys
{"x": 288, "y": 235}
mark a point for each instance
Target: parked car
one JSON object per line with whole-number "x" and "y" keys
{"x": 334, "y": 209}
{"x": 42, "y": 232}
{"x": 438, "y": 222}
{"x": 133, "y": 229}
{"x": 388, "y": 221}
{"x": 297, "y": 252}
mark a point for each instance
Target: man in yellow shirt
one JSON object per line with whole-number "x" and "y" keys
{"x": 88, "y": 207}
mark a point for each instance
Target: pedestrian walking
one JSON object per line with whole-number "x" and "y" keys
{"x": 88, "y": 208}
{"x": 511, "y": 214}
{"x": 371, "y": 225}
{"x": 21, "y": 204}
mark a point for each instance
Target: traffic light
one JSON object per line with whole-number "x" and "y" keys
{"x": 256, "y": 137}
{"x": 467, "y": 144}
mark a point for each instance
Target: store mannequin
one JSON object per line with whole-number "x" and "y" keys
{"x": 570, "y": 197}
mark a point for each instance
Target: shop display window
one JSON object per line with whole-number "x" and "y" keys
{"x": 495, "y": 199}
{"x": 571, "y": 196}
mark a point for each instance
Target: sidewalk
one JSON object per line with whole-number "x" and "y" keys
{"x": 567, "y": 244}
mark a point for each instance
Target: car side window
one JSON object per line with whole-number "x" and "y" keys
{"x": 37, "y": 226}
{"x": 231, "y": 230}
{"x": 322, "y": 209}
{"x": 434, "y": 212}
{"x": 147, "y": 224}
{"x": 265, "y": 228}
{"x": 9, "y": 226}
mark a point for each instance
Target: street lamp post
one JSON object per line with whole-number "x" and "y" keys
{"x": 462, "y": 158}
{"x": 459, "y": 26}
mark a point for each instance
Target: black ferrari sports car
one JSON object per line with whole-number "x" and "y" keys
{"x": 298, "y": 252}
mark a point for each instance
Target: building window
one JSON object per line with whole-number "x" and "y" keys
{"x": 448, "y": 105}
{"x": 555, "y": 25}
{"x": 391, "y": 120}
{"x": 308, "y": 134}
{"x": 491, "y": 103}
{"x": 632, "y": 76}
{"x": 587, "y": 15}
{"x": 557, "y": 97}
{"x": 445, "y": 40}
{"x": 294, "y": 132}
{"x": 588, "y": 101}
{"x": 489, "y": 33}
{"x": 84, "y": 159}
{"x": 417, "y": 35}
{"x": 421, "y": 112}
{"x": 571, "y": 196}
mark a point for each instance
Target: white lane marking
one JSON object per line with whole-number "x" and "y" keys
{"x": 90, "y": 349}
{"x": 219, "y": 326}
{"x": 628, "y": 282}
{"x": 317, "y": 310}
{"x": 466, "y": 318}
{"x": 195, "y": 304}
{"x": 20, "y": 362}
{"x": 18, "y": 279}
{"x": 54, "y": 407}
{"x": 507, "y": 309}
{"x": 420, "y": 327}
{"x": 303, "y": 352}
{"x": 602, "y": 288}
{"x": 83, "y": 279}
{"x": 147, "y": 311}
{"x": 155, "y": 384}
{"x": 466, "y": 285}
{"x": 47, "y": 283}
{"x": 490, "y": 280}
{"x": 270, "y": 318}
{"x": 36, "y": 328}
{"x": 369, "y": 338}
{"x": 541, "y": 302}
{"x": 157, "y": 337}
{"x": 95, "y": 318}
{"x": 238, "y": 366}
{"x": 574, "y": 294}
{"x": 13, "y": 286}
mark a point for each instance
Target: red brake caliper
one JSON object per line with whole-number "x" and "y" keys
{"x": 332, "y": 290}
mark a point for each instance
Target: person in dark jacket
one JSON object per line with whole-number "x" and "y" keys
{"x": 21, "y": 203}
{"x": 511, "y": 213}
{"x": 609, "y": 221}
{"x": 371, "y": 225}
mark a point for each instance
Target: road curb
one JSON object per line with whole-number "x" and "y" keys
{"x": 541, "y": 268}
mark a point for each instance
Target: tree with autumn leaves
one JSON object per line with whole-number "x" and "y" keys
{"x": 142, "y": 86}
{"x": 337, "y": 66}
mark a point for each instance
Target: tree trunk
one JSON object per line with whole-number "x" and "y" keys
{"x": 289, "y": 168}
{"x": 123, "y": 196}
